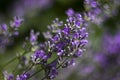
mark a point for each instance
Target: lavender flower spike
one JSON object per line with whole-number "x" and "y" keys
{"x": 67, "y": 44}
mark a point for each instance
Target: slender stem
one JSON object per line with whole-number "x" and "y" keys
{"x": 15, "y": 68}
{"x": 12, "y": 60}
{"x": 29, "y": 68}
{"x": 39, "y": 71}
{"x": 50, "y": 63}
{"x": 35, "y": 73}
{"x": 58, "y": 66}
{"x": 9, "y": 62}
{"x": 43, "y": 78}
{"x": 63, "y": 62}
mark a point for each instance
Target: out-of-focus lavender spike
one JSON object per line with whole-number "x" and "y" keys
{"x": 70, "y": 12}
{"x": 16, "y": 22}
{"x": 47, "y": 35}
{"x": 4, "y": 27}
{"x": 8, "y": 32}
{"x": 23, "y": 76}
{"x": 33, "y": 37}
{"x": 94, "y": 10}
{"x": 8, "y": 76}
{"x": 53, "y": 28}
{"x": 112, "y": 43}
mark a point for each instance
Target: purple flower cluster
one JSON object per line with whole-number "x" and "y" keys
{"x": 13, "y": 29}
{"x": 23, "y": 76}
{"x": 64, "y": 43}
{"x": 67, "y": 44}
{"x": 7, "y": 32}
{"x": 94, "y": 9}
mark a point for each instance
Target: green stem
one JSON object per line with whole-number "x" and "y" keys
{"x": 13, "y": 60}
{"x": 14, "y": 71}
{"x": 58, "y": 66}
{"x": 9, "y": 62}
{"x": 29, "y": 68}
{"x": 35, "y": 73}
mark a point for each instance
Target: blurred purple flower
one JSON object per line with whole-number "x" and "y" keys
{"x": 87, "y": 70}
{"x": 23, "y": 7}
{"x": 4, "y": 27}
{"x": 16, "y": 22}
{"x": 38, "y": 56}
{"x": 101, "y": 59}
{"x": 70, "y": 12}
{"x": 8, "y": 32}
{"x": 22, "y": 76}
{"x": 112, "y": 44}
{"x": 8, "y": 76}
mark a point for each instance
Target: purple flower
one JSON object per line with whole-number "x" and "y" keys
{"x": 60, "y": 52}
{"x": 112, "y": 43}
{"x": 56, "y": 38}
{"x": 71, "y": 62}
{"x": 33, "y": 37}
{"x": 94, "y": 4}
{"x": 47, "y": 35}
{"x": 55, "y": 26}
{"x": 66, "y": 30}
{"x": 16, "y": 22}
{"x": 8, "y": 76}
{"x": 38, "y": 56}
{"x": 53, "y": 73}
{"x": 68, "y": 42}
{"x": 101, "y": 59}
{"x": 87, "y": 70}
{"x": 52, "y": 70}
{"x": 94, "y": 10}
{"x": 23, "y": 76}
{"x": 58, "y": 23}
{"x": 78, "y": 53}
{"x": 70, "y": 12}
{"x": 4, "y": 27}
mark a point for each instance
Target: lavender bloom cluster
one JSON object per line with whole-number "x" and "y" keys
{"x": 92, "y": 6}
{"x": 67, "y": 44}
{"x": 100, "y": 65}
{"x": 99, "y": 11}
{"x": 7, "y": 32}
{"x": 61, "y": 48}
